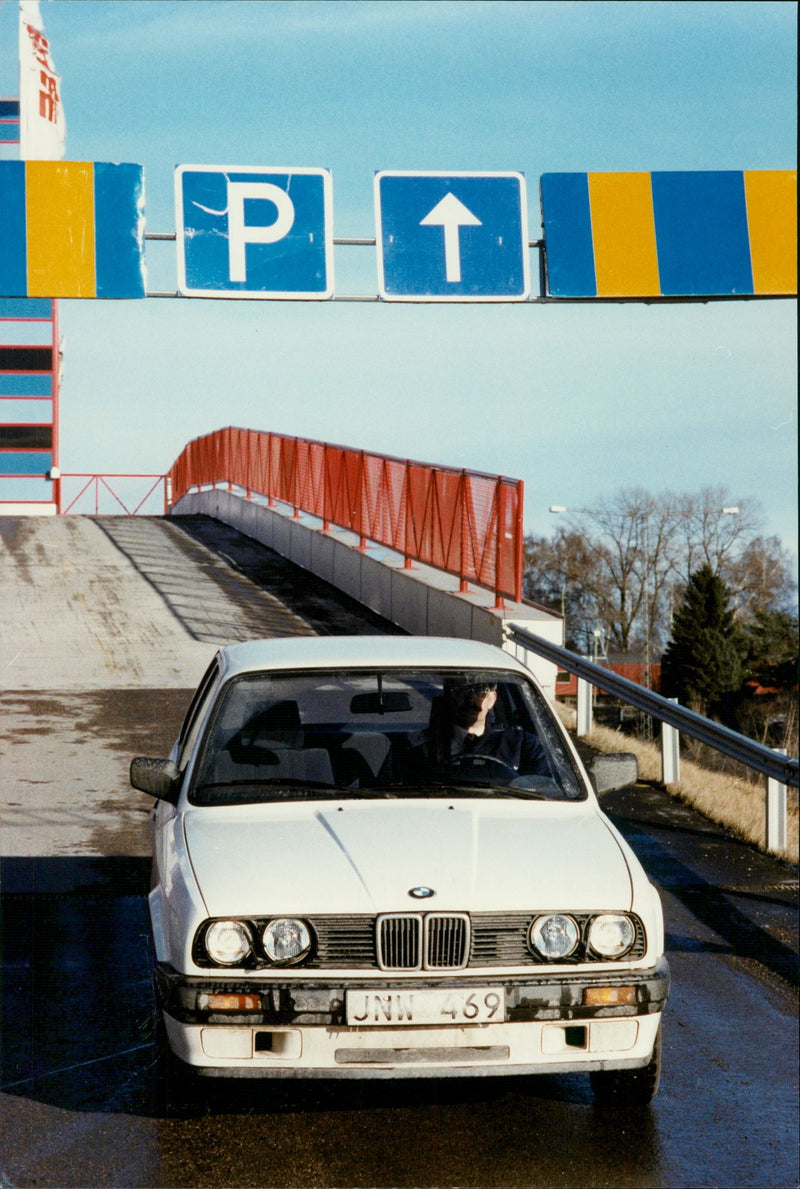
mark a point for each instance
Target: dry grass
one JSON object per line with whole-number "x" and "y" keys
{"x": 726, "y": 799}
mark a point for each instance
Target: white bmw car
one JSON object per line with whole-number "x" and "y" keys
{"x": 382, "y": 857}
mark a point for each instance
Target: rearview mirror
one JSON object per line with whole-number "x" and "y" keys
{"x": 393, "y": 701}
{"x": 616, "y": 771}
{"x": 158, "y": 778}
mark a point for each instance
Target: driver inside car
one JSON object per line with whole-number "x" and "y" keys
{"x": 463, "y": 724}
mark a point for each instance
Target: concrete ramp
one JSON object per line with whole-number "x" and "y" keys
{"x": 77, "y": 613}
{"x": 106, "y": 626}
{"x": 130, "y": 602}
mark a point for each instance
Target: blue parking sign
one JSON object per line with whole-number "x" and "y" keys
{"x": 451, "y": 236}
{"x": 250, "y": 231}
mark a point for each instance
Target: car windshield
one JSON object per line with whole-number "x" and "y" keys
{"x": 390, "y": 733}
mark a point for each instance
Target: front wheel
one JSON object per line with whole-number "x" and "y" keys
{"x": 629, "y": 1087}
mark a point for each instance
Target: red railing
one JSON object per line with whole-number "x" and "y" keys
{"x": 99, "y": 488}
{"x": 126, "y": 494}
{"x": 463, "y": 522}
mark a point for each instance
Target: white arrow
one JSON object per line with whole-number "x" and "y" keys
{"x": 451, "y": 214}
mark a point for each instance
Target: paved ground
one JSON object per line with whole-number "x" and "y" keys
{"x": 118, "y": 602}
{"x": 78, "y": 614}
{"x": 104, "y": 627}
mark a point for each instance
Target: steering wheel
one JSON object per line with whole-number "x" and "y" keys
{"x": 476, "y": 763}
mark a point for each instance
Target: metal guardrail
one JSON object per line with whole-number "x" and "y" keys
{"x": 738, "y": 747}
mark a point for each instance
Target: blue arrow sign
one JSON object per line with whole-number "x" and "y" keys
{"x": 247, "y": 231}
{"x": 451, "y": 236}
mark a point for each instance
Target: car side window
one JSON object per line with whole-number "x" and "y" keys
{"x": 195, "y": 713}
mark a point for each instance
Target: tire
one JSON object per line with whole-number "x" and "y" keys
{"x": 629, "y": 1088}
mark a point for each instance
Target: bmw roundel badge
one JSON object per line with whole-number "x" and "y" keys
{"x": 421, "y": 893}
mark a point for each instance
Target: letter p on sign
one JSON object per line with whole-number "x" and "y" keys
{"x": 241, "y": 233}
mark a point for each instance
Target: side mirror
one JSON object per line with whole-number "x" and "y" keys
{"x": 616, "y": 771}
{"x": 158, "y": 778}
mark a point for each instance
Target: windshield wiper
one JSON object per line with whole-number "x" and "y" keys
{"x": 496, "y": 790}
{"x": 255, "y": 791}
{"x": 441, "y": 790}
{"x": 231, "y": 792}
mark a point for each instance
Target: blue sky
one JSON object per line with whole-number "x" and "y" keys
{"x": 578, "y": 401}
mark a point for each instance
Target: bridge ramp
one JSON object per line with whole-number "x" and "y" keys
{"x": 106, "y": 626}
{"x": 140, "y": 602}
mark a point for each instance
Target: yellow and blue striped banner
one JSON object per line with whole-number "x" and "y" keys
{"x": 667, "y": 234}
{"x": 71, "y": 229}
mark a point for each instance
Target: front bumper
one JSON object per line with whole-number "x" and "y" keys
{"x": 300, "y": 1030}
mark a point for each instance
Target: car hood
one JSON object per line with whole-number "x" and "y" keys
{"x": 365, "y": 857}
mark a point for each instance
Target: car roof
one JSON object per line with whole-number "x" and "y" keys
{"x": 367, "y": 652}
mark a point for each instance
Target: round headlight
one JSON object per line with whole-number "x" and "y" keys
{"x": 555, "y": 936}
{"x": 286, "y": 940}
{"x": 228, "y": 942}
{"x": 611, "y": 935}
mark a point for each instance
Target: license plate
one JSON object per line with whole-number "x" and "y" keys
{"x": 401, "y": 1007}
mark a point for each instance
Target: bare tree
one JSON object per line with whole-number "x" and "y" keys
{"x": 560, "y": 575}
{"x": 714, "y": 528}
{"x": 760, "y": 576}
{"x": 629, "y": 546}
{"x": 624, "y": 564}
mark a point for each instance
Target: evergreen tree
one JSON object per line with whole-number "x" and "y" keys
{"x": 766, "y": 705}
{"x": 771, "y": 639}
{"x": 704, "y": 660}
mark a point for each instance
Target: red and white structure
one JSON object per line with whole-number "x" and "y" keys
{"x": 32, "y": 127}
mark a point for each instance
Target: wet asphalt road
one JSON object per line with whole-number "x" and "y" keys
{"x": 80, "y": 1099}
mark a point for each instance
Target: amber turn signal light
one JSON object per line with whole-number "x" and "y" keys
{"x": 608, "y": 996}
{"x": 219, "y": 1002}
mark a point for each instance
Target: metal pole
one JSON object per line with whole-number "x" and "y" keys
{"x": 463, "y": 585}
{"x": 584, "y": 723}
{"x": 406, "y": 513}
{"x": 775, "y": 811}
{"x": 670, "y": 752}
{"x": 519, "y": 550}
{"x": 55, "y": 407}
{"x": 362, "y": 500}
